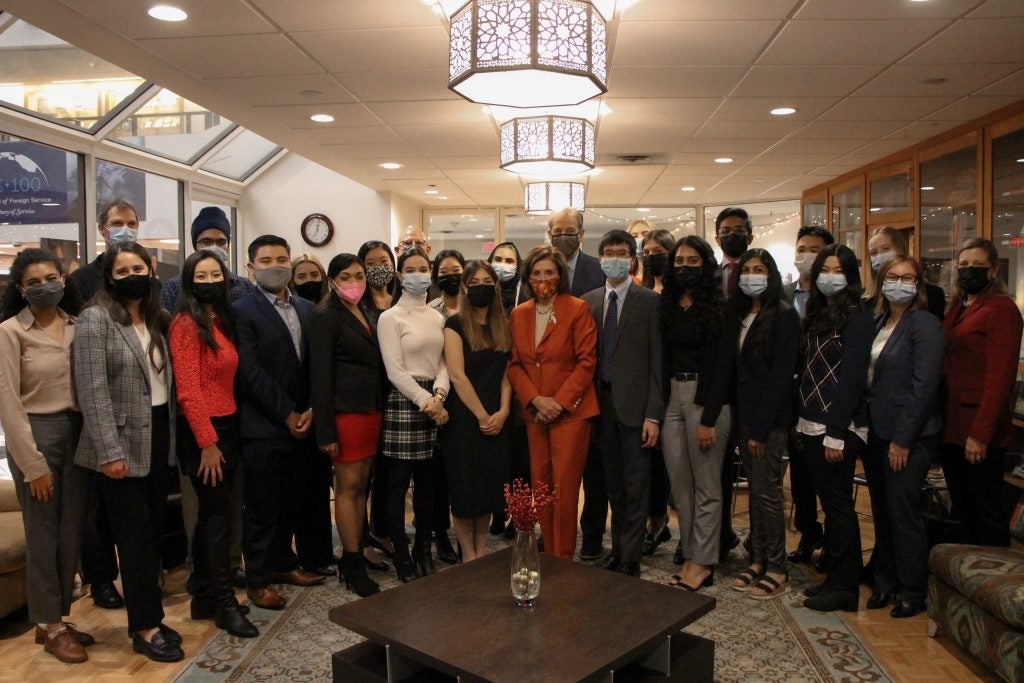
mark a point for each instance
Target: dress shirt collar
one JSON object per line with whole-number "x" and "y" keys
{"x": 273, "y": 298}
{"x": 26, "y": 318}
{"x": 620, "y": 289}
{"x": 575, "y": 258}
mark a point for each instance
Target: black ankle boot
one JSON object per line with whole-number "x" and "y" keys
{"x": 231, "y": 619}
{"x": 352, "y": 569}
{"x": 445, "y": 551}
{"x": 423, "y": 559}
{"x": 403, "y": 564}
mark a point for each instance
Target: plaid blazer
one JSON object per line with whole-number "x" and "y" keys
{"x": 111, "y": 372}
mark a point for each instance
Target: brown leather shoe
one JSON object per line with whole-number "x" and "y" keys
{"x": 82, "y": 638}
{"x": 297, "y": 577}
{"x": 62, "y": 645}
{"x": 267, "y": 598}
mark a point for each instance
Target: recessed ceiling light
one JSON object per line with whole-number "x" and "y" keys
{"x": 688, "y": 188}
{"x": 479, "y": 237}
{"x": 875, "y": 209}
{"x": 321, "y": 118}
{"x": 167, "y": 13}
{"x": 440, "y": 196}
{"x": 723, "y": 160}
{"x": 391, "y": 165}
{"x": 925, "y": 188}
{"x": 1020, "y": 161}
{"x": 643, "y": 210}
{"x": 783, "y": 111}
{"x": 431, "y": 192}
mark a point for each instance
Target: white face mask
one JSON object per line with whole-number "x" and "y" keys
{"x": 416, "y": 283}
{"x": 831, "y": 284}
{"x": 505, "y": 271}
{"x": 753, "y": 284}
{"x": 804, "y": 261}
{"x": 880, "y": 259}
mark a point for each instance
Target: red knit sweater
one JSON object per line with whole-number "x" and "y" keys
{"x": 205, "y": 378}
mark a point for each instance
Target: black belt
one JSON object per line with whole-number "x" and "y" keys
{"x": 685, "y": 377}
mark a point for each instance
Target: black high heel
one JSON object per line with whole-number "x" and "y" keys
{"x": 403, "y": 564}
{"x": 423, "y": 559}
{"x": 352, "y": 572}
{"x": 375, "y": 566}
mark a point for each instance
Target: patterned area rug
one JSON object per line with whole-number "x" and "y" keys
{"x": 774, "y": 641}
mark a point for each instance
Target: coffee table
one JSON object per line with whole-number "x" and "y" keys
{"x": 587, "y": 624}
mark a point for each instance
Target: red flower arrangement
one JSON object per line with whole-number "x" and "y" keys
{"x": 524, "y": 506}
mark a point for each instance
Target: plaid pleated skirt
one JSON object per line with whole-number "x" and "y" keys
{"x": 408, "y": 433}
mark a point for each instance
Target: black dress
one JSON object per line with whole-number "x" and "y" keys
{"x": 476, "y": 464}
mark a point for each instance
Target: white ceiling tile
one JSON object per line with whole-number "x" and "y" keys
{"x": 350, "y": 135}
{"x": 829, "y": 42}
{"x": 808, "y": 159}
{"x": 803, "y": 81}
{"x": 698, "y": 158}
{"x": 860, "y": 159}
{"x": 205, "y": 18}
{"x": 409, "y": 163}
{"x": 677, "y": 10}
{"x": 999, "y": 8}
{"x": 884, "y": 108}
{"x": 881, "y": 148}
{"x": 1011, "y": 85}
{"x": 478, "y": 176}
{"x": 816, "y": 146}
{"x": 451, "y": 112}
{"x": 377, "y": 49}
{"x": 474, "y": 133}
{"x": 921, "y": 130}
{"x": 222, "y": 56}
{"x": 970, "y": 108}
{"x": 907, "y": 80}
{"x": 884, "y": 9}
{"x": 849, "y": 130}
{"x": 328, "y": 15}
{"x": 383, "y": 152}
{"x": 283, "y": 89}
{"x": 690, "y": 43}
{"x": 725, "y": 146}
{"x": 974, "y": 41}
{"x": 452, "y": 163}
{"x": 458, "y": 147}
{"x": 620, "y": 136}
{"x": 833, "y": 170}
{"x": 759, "y": 108}
{"x": 297, "y": 115}
{"x": 643, "y": 109}
{"x": 667, "y": 81}
{"x": 756, "y": 130}
{"x": 392, "y": 86}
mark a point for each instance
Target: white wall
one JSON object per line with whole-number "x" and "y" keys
{"x": 404, "y": 212}
{"x": 294, "y": 187}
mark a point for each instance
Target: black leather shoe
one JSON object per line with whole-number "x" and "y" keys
{"x": 170, "y": 635}
{"x": 830, "y": 600}
{"x": 802, "y": 555}
{"x": 423, "y": 560}
{"x": 591, "y": 549}
{"x": 905, "y": 609}
{"x": 232, "y": 620}
{"x": 326, "y": 570}
{"x": 611, "y": 563}
{"x": 821, "y": 566}
{"x": 879, "y": 599}
{"x": 629, "y": 568}
{"x": 375, "y": 566}
{"x": 159, "y": 648}
{"x": 445, "y": 552}
{"x": 677, "y": 556}
{"x": 811, "y": 591}
{"x": 404, "y": 567}
{"x": 105, "y": 595}
{"x": 652, "y": 542}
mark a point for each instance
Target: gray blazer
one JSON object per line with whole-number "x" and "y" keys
{"x": 636, "y": 356}
{"x": 112, "y": 386}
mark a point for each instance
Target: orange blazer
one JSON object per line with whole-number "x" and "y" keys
{"x": 562, "y": 365}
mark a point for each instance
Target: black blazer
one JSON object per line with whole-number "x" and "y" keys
{"x": 346, "y": 370}
{"x": 764, "y": 387}
{"x": 587, "y": 276}
{"x": 272, "y": 381}
{"x": 903, "y": 400}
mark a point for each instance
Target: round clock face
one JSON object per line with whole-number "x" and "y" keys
{"x": 317, "y": 229}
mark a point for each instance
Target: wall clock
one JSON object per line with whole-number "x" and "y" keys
{"x": 317, "y": 229}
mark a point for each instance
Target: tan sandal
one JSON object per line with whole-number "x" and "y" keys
{"x": 768, "y": 588}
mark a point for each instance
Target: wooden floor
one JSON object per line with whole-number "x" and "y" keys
{"x": 902, "y": 646}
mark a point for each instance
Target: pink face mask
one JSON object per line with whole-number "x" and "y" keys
{"x": 351, "y": 292}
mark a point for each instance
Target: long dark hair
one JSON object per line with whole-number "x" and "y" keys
{"x": 154, "y": 316}
{"x": 708, "y": 301}
{"x": 13, "y": 301}
{"x": 497, "y": 335}
{"x": 759, "y": 336}
{"x": 367, "y": 300}
{"x": 665, "y": 239}
{"x": 189, "y": 306}
{"x": 823, "y": 317}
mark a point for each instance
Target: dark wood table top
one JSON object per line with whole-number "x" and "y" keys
{"x": 463, "y": 621}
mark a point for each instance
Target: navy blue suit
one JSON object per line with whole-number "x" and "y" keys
{"x": 903, "y": 407}
{"x": 287, "y": 480}
{"x": 587, "y": 276}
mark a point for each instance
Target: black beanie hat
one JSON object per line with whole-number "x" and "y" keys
{"x": 210, "y": 217}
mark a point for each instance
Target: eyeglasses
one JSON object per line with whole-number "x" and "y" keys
{"x": 208, "y": 242}
{"x": 564, "y": 234}
{"x": 908, "y": 279}
{"x": 408, "y": 244}
{"x": 725, "y": 232}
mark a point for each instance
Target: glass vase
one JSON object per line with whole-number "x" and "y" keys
{"x": 525, "y": 568}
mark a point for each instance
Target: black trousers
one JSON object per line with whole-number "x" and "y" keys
{"x": 834, "y": 483}
{"x": 314, "y": 541}
{"x": 136, "y": 514}
{"x": 657, "y": 501}
{"x": 627, "y": 469}
{"x": 99, "y": 561}
{"x": 442, "y": 505}
{"x": 272, "y": 476}
{"x": 378, "y": 509}
{"x": 594, "y": 515}
{"x": 729, "y": 468}
{"x": 975, "y": 492}
{"x": 805, "y": 501}
{"x": 400, "y": 472}
{"x": 901, "y": 534}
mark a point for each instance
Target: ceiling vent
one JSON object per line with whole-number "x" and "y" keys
{"x": 633, "y": 158}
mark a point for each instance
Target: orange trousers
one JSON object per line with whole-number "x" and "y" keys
{"x": 558, "y": 453}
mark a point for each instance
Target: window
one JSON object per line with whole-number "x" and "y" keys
{"x": 949, "y": 204}
{"x": 775, "y": 226}
{"x": 1008, "y": 207}
{"x": 229, "y": 211}
{"x": 173, "y": 127}
{"x": 240, "y": 157}
{"x": 848, "y": 218}
{"x": 891, "y": 193}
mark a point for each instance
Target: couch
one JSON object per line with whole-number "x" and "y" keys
{"x": 12, "y": 551}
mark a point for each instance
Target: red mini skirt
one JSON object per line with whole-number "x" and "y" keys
{"x": 358, "y": 435}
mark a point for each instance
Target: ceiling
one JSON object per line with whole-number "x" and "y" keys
{"x": 690, "y": 80}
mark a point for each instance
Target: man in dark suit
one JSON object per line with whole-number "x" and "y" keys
{"x": 273, "y": 369}
{"x": 565, "y": 230}
{"x": 629, "y": 388}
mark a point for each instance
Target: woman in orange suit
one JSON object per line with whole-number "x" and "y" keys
{"x": 554, "y": 355}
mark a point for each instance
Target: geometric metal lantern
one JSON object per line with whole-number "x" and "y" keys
{"x": 528, "y": 53}
{"x": 543, "y": 198}
{"x": 547, "y": 145}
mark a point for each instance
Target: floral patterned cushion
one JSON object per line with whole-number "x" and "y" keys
{"x": 992, "y": 578}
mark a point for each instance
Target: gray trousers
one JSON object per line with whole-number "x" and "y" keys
{"x": 767, "y": 521}
{"x": 53, "y": 530}
{"x": 190, "y": 514}
{"x": 627, "y": 471}
{"x": 695, "y": 475}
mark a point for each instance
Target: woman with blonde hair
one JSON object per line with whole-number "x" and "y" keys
{"x": 887, "y": 243}
{"x": 309, "y": 280}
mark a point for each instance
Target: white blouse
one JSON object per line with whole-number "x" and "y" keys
{"x": 411, "y": 336}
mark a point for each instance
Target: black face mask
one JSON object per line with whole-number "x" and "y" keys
{"x": 309, "y": 290}
{"x": 209, "y": 292}
{"x": 734, "y": 245}
{"x": 688, "y": 277}
{"x": 973, "y": 279}
{"x": 449, "y": 284}
{"x": 480, "y": 296}
{"x": 655, "y": 264}
{"x": 133, "y": 286}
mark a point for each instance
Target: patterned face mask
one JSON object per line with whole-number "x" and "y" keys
{"x": 544, "y": 289}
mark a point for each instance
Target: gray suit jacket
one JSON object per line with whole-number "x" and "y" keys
{"x": 636, "y": 356}
{"x": 112, "y": 386}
